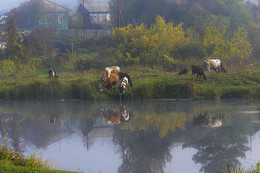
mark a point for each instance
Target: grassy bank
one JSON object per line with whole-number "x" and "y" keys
{"x": 148, "y": 84}
{"x": 12, "y": 161}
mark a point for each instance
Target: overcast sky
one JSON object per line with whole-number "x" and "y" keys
{"x": 9, "y": 4}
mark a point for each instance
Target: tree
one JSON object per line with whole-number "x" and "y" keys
{"x": 14, "y": 39}
{"x": 240, "y": 45}
{"x": 31, "y": 12}
{"x": 75, "y": 21}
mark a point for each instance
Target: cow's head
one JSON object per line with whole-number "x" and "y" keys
{"x": 101, "y": 88}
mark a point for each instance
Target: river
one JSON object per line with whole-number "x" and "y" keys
{"x": 137, "y": 136}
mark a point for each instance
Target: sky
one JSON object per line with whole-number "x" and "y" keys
{"x": 9, "y": 4}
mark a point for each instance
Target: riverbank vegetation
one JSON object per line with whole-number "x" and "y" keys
{"x": 14, "y": 161}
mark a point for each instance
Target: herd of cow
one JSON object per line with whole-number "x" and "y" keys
{"x": 112, "y": 75}
{"x": 207, "y": 65}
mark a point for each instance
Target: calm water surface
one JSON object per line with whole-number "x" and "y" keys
{"x": 144, "y": 136}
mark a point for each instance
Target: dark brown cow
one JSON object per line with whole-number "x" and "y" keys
{"x": 199, "y": 70}
{"x": 184, "y": 71}
{"x": 110, "y": 82}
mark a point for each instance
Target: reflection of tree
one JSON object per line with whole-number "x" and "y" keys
{"x": 10, "y": 123}
{"x": 162, "y": 122}
{"x": 219, "y": 147}
{"x": 144, "y": 151}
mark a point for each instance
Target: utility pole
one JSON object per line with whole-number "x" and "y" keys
{"x": 84, "y": 22}
{"x": 119, "y": 13}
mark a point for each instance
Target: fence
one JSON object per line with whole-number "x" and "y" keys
{"x": 87, "y": 33}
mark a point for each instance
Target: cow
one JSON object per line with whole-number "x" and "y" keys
{"x": 52, "y": 74}
{"x": 110, "y": 82}
{"x": 122, "y": 75}
{"x": 199, "y": 71}
{"x": 116, "y": 116}
{"x": 184, "y": 71}
{"x": 213, "y": 64}
{"x": 208, "y": 119}
{"x": 109, "y": 71}
{"x": 123, "y": 85}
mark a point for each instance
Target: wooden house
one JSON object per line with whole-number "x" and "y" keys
{"x": 48, "y": 14}
{"x": 96, "y": 14}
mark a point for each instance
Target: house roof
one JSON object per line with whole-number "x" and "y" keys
{"x": 46, "y": 6}
{"x": 52, "y": 7}
{"x": 100, "y": 6}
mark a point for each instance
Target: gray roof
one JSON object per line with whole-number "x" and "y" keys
{"x": 46, "y": 6}
{"x": 101, "y": 6}
{"x": 52, "y": 7}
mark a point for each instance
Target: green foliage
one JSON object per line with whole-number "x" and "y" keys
{"x": 239, "y": 44}
{"x": 8, "y": 156}
{"x": 75, "y": 21}
{"x": 254, "y": 32}
{"x": 39, "y": 43}
{"x": 14, "y": 46}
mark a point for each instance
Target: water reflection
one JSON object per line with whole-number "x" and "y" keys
{"x": 115, "y": 116}
{"x": 144, "y": 135}
{"x": 208, "y": 119}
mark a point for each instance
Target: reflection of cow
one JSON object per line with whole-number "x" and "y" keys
{"x": 116, "y": 116}
{"x": 208, "y": 120}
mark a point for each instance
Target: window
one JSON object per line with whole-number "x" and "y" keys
{"x": 94, "y": 17}
{"x": 108, "y": 17}
{"x": 47, "y": 20}
{"x": 60, "y": 19}
{"x": 100, "y": 17}
{"x": 41, "y": 20}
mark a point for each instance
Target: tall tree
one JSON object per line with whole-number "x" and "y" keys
{"x": 13, "y": 38}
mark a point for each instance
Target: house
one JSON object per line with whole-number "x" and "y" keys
{"x": 43, "y": 13}
{"x": 96, "y": 14}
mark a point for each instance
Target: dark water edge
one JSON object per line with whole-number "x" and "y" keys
{"x": 150, "y": 136}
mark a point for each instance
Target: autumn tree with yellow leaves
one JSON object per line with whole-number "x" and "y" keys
{"x": 148, "y": 46}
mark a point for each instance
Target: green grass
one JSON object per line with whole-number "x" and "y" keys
{"x": 12, "y": 161}
{"x": 148, "y": 84}
{"x": 19, "y": 169}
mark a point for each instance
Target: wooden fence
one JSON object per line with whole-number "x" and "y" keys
{"x": 87, "y": 33}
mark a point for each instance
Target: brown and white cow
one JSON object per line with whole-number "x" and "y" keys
{"x": 113, "y": 80}
{"x": 109, "y": 71}
{"x": 213, "y": 64}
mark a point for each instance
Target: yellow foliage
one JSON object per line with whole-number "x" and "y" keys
{"x": 240, "y": 45}
{"x": 138, "y": 41}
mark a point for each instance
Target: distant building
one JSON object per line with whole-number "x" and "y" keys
{"x": 96, "y": 14}
{"x": 49, "y": 15}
